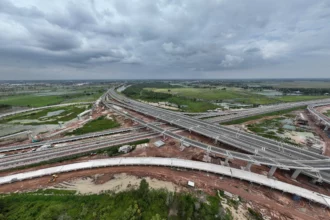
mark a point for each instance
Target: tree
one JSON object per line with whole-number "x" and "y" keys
{"x": 157, "y": 217}
{"x": 144, "y": 187}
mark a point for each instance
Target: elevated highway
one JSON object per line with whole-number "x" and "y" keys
{"x": 178, "y": 163}
{"x": 266, "y": 148}
{"x": 265, "y": 109}
{"x": 318, "y": 115}
{"x": 28, "y": 158}
{"x": 69, "y": 139}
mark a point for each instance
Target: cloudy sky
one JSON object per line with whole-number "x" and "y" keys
{"x": 118, "y": 39}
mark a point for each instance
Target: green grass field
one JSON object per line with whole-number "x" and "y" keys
{"x": 300, "y": 84}
{"x": 233, "y": 95}
{"x": 299, "y": 98}
{"x": 199, "y": 93}
{"x": 31, "y": 100}
{"x": 327, "y": 113}
{"x": 192, "y": 106}
{"x": 229, "y": 95}
{"x": 142, "y": 203}
{"x": 39, "y": 101}
{"x": 100, "y": 124}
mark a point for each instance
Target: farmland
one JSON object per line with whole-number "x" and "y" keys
{"x": 233, "y": 95}
{"x": 38, "y": 95}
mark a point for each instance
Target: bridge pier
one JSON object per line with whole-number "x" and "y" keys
{"x": 271, "y": 171}
{"x": 296, "y": 174}
{"x": 227, "y": 161}
{"x": 182, "y": 147}
{"x": 248, "y": 166}
{"x": 317, "y": 180}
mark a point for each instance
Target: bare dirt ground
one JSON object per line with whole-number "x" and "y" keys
{"x": 323, "y": 109}
{"x": 270, "y": 203}
{"x": 100, "y": 183}
{"x": 319, "y": 131}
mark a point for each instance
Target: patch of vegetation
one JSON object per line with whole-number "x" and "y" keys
{"x": 263, "y": 129}
{"x": 31, "y": 100}
{"x": 4, "y": 106}
{"x": 282, "y": 112}
{"x": 142, "y": 203}
{"x": 218, "y": 95}
{"x": 99, "y": 124}
{"x": 185, "y": 104}
{"x": 327, "y": 113}
{"x": 69, "y": 113}
{"x": 53, "y": 192}
{"x": 38, "y": 97}
{"x": 255, "y": 214}
{"x": 298, "y": 98}
{"x": 85, "y": 96}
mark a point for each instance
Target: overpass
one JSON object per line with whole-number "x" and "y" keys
{"x": 268, "y": 150}
{"x": 69, "y": 139}
{"x": 178, "y": 163}
{"x": 318, "y": 115}
{"x": 265, "y": 109}
{"x": 28, "y": 158}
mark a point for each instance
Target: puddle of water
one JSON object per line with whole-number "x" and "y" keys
{"x": 289, "y": 127}
{"x": 54, "y": 113}
{"x": 270, "y": 93}
{"x": 287, "y": 121}
{"x": 6, "y": 129}
{"x": 23, "y": 121}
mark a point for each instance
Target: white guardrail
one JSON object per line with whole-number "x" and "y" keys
{"x": 179, "y": 163}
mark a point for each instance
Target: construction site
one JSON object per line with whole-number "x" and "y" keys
{"x": 67, "y": 144}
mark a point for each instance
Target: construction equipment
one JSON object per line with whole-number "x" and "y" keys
{"x": 53, "y": 179}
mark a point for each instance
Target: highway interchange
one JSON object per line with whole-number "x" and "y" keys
{"x": 257, "y": 150}
{"x": 278, "y": 155}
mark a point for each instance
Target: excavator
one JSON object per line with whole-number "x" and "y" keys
{"x": 53, "y": 179}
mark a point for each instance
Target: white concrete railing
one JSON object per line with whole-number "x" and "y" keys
{"x": 174, "y": 162}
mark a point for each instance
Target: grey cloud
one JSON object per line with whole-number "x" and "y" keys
{"x": 181, "y": 38}
{"x": 231, "y": 61}
{"x": 9, "y": 8}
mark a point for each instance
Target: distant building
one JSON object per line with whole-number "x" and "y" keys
{"x": 301, "y": 119}
{"x": 231, "y": 196}
{"x": 125, "y": 149}
{"x": 44, "y": 147}
{"x": 159, "y": 143}
{"x": 191, "y": 183}
{"x": 173, "y": 105}
{"x": 186, "y": 144}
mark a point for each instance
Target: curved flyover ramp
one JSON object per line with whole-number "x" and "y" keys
{"x": 174, "y": 162}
